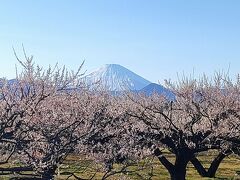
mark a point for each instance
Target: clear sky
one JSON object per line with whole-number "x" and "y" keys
{"x": 154, "y": 38}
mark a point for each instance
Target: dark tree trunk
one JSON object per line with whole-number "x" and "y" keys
{"x": 48, "y": 174}
{"x": 215, "y": 164}
{"x": 179, "y": 175}
{"x": 211, "y": 172}
{"x": 178, "y": 170}
{"x": 199, "y": 167}
{"x": 180, "y": 167}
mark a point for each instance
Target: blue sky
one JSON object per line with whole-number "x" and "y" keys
{"x": 154, "y": 38}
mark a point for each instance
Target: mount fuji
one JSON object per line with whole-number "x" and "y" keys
{"x": 115, "y": 77}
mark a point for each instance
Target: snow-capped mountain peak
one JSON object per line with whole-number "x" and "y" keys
{"x": 115, "y": 77}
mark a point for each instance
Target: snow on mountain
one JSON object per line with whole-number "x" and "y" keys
{"x": 115, "y": 77}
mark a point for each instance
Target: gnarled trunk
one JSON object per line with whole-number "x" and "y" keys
{"x": 211, "y": 172}
{"x": 177, "y": 171}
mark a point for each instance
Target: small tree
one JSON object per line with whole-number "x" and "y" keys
{"x": 11, "y": 120}
{"x": 109, "y": 140}
{"x": 56, "y": 129}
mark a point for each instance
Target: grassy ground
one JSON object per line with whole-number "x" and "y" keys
{"x": 229, "y": 169}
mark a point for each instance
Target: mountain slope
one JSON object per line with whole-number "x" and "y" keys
{"x": 115, "y": 77}
{"x": 158, "y": 89}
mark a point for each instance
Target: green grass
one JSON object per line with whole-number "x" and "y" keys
{"x": 228, "y": 169}
{"x": 86, "y": 168}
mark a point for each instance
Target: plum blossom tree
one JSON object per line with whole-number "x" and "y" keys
{"x": 110, "y": 140}
{"x": 203, "y": 114}
{"x": 56, "y": 129}
{"x": 38, "y": 121}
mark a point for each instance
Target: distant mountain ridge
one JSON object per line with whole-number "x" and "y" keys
{"x": 153, "y": 88}
{"x": 158, "y": 89}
